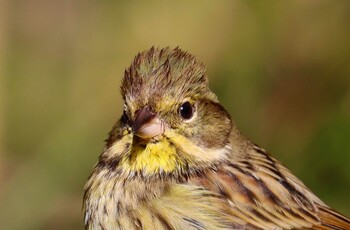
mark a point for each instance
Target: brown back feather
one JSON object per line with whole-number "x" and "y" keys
{"x": 265, "y": 195}
{"x": 331, "y": 219}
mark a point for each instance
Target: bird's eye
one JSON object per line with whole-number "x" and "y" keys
{"x": 186, "y": 110}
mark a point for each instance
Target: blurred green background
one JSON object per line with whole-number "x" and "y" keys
{"x": 282, "y": 68}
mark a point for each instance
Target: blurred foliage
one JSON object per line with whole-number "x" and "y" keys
{"x": 280, "y": 67}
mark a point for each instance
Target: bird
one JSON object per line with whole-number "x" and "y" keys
{"x": 176, "y": 160}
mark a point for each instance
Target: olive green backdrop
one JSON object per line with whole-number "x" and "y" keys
{"x": 282, "y": 69}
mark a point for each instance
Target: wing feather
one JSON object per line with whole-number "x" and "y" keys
{"x": 266, "y": 195}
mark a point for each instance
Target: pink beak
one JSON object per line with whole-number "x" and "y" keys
{"x": 147, "y": 125}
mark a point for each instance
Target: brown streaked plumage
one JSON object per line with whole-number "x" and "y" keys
{"x": 175, "y": 160}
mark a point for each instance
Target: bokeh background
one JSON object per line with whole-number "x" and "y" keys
{"x": 282, "y": 68}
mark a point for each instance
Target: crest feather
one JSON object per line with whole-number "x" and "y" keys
{"x": 164, "y": 71}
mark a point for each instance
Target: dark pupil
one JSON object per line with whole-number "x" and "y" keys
{"x": 186, "y": 110}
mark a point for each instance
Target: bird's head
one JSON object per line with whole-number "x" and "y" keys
{"x": 172, "y": 123}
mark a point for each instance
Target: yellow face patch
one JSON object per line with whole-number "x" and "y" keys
{"x": 152, "y": 158}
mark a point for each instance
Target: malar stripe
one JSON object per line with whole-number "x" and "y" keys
{"x": 115, "y": 135}
{"x": 109, "y": 163}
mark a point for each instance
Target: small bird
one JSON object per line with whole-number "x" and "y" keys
{"x": 175, "y": 160}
